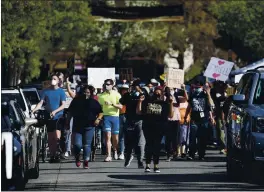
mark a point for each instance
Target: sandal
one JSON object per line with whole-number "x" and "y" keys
{"x": 108, "y": 159}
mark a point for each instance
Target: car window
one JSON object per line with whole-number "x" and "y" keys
{"x": 32, "y": 97}
{"x": 245, "y": 85}
{"x": 259, "y": 93}
{"x": 12, "y": 116}
{"x": 21, "y": 114}
{"x": 16, "y": 97}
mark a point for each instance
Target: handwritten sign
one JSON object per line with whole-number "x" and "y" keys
{"x": 218, "y": 69}
{"x": 97, "y": 76}
{"x": 174, "y": 78}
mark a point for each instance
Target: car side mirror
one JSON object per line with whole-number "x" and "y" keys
{"x": 239, "y": 99}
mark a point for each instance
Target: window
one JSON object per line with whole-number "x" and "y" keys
{"x": 16, "y": 97}
{"x": 32, "y": 97}
{"x": 21, "y": 114}
{"x": 259, "y": 93}
{"x": 244, "y": 86}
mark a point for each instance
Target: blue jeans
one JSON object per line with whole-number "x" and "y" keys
{"x": 83, "y": 139}
{"x": 111, "y": 124}
{"x": 200, "y": 131}
{"x": 68, "y": 137}
{"x": 122, "y": 120}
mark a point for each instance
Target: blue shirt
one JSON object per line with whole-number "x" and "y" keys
{"x": 53, "y": 99}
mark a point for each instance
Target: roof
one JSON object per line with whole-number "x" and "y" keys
{"x": 252, "y": 66}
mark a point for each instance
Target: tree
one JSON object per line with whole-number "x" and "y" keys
{"x": 32, "y": 29}
{"x": 242, "y": 21}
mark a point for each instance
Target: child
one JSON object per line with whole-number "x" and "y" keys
{"x": 184, "y": 126}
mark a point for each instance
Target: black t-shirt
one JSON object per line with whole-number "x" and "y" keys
{"x": 130, "y": 100}
{"x": 200, "y": 106}
{"x": 155, "y": 110}
{"x": 219, "y": 100}
{"x": 84, "y": 111}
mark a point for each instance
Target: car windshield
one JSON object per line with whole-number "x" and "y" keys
{"x": 16, "y": 97}
{"x": 32, "y": 96}
{"x": 259, "y": 93}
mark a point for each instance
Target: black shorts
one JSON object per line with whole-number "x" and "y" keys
{"x": 53, "y": 125}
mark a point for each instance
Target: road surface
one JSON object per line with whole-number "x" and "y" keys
{"x": 112, "y": 176}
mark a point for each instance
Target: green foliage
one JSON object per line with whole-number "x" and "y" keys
{"x": 243, "y": 20}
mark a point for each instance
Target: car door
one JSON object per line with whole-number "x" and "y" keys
{"x": 237, "y": 115}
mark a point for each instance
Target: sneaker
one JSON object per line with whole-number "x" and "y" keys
{"x": 168, "y": 159}
{"x": 115, "y": 155}
{"x": 190, "y": 158}
{"x": 223, "y": 152}
{"x": 67, "y": 154}
{"x": 147, "y": 170}
{"x": 156, "y": 170}
{"x": 108, "y": 159}
{"x": 57, "y": 159}
{"x": 201, "y": 158}
{"x": 77, "y": 161}
{"x": 85, "y": 165}
{"x": 52, "y": 160}
{"x": 121, "y": 156}
{"x": 128, "y": 161}
{"x": 140, "y": 165}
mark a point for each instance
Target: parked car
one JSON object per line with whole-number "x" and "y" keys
{"x": 17, "y": 94}
{"x": 245, "y": 128}
{"x": 26, "y": 163}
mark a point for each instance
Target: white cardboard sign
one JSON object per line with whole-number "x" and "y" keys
{"x": 174, "y": 77}
{"x": 97, "y": 76}
{"x": 218, "y": 69}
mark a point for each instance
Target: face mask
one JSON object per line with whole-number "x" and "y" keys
{"x": 54, "y": 82}
{"x": 136, "y": 93}
{"x": 87, "y": 96}
{"x": 199, "y": 90}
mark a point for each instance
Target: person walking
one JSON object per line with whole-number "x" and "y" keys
{"x": 122, "y": 119}
{"x": 172, "y": 129}
{"x": 87, "y": 113}
{"x": 134, "y": 136}
{"x": 219, "y": 96}
{"x": 55, "y": 99}
{"x": 109, "y": 100}
{"x": 155, "y": 112}
{"x": 200, "y": 109}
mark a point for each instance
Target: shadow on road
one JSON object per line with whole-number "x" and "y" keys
{"x": 153, "y": 182}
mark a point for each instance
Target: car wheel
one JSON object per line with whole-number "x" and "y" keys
{"x": 21, "y": 178}
{"x": 44, "y": 150}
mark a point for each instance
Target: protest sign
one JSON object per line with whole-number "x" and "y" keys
{"x": 218, "y": 69}
{"x": 175, "y": 77}
{"x": 97, "y": 76}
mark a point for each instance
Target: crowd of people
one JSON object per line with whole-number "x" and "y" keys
{"x": 134, "y": 120}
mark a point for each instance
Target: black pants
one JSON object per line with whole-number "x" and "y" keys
{"x": 134, "y": 139}
{"x": 153, "y": 132}
{"x": 171, "y": 134}
{"x": 199, "y": 132}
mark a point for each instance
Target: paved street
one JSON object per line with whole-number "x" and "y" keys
{"x": 180, "y": 175}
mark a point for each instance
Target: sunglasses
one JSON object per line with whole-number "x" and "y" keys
{"x": 108, "y": 84}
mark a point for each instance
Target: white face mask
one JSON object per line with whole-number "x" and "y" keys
{"x": 54, "y": 82}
